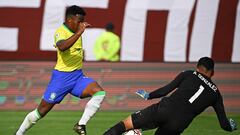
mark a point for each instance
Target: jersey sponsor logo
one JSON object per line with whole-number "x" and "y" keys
{"x": 210, "y": 84}
{"x": 57, "y": 35}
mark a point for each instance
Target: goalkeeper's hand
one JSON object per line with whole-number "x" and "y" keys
{"x": 233, "y": 124}
{"x": 143, "y": 94}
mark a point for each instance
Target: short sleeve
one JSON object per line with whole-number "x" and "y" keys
{"x": 58, "y": 36}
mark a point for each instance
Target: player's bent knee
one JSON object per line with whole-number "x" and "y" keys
{"x": 99, "y": 93}
{"x": 92, "y": 89}
{"x": 44, "y": 107}
{"x": 96, "y": 87}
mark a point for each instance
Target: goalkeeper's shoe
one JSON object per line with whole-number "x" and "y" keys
{"x": 80, "y": 129}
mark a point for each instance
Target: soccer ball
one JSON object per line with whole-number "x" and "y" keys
{"x": 133, "y": 132}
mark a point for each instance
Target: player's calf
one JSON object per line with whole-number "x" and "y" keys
{"x": 92, "y": 106}
{"x": 28, "y": 122}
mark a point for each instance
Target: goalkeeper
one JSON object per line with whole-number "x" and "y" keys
{"x": 194, "y": 92}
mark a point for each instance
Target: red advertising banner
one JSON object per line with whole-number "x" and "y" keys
{"x": 150, "y": 31}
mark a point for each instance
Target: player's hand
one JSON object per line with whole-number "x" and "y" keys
{"x": 85, "y": 24}
{"x": 143, "y": 94}
{"x": 82, "y": 26}
{"x": 233, "y": 124}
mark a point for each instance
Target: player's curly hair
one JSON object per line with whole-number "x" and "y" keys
{"x": 74, "y": 10}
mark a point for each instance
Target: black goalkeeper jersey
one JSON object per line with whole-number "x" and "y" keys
{"x": 194, "y": 92}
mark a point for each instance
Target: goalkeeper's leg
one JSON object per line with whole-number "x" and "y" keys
{"x": 120, "y": 127}
{"x": 117, "y": 129}
{"x": 139, "y": 120}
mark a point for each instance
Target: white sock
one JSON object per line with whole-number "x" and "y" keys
{"x": 92, "y": 107}
{"x": 28, "y": 122}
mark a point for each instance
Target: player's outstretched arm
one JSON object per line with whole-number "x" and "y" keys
{"x": 225, "y": 123}
{"x": 143, "y": 94}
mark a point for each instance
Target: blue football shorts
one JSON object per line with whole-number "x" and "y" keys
{"x": 63, "y": 83}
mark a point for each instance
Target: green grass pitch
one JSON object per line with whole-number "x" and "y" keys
{"x": 61, "y": 123}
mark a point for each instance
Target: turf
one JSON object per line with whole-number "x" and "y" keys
{"x": 61, "y": 123}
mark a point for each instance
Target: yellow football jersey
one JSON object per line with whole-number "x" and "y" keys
{"x": 70, "y": 59}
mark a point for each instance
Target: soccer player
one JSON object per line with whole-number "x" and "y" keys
{"x": 194, "y": 92}
{"x": 67, "y": 76}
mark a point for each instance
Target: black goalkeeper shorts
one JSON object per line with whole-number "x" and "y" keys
{"x": 168, "y": 122}
{"x": 144, "y": 119}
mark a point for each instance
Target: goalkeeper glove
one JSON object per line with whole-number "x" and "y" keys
{"x": 233, "y": 124}
{"x": 143, "y": 94}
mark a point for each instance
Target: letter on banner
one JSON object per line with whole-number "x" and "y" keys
{"x": 236, "y": 43}
{"x": 134, "y": 26}
{"x": 177, "y": 30}
{"x": 203, "y": 29}
{"x": 135, "y": 23}
{"x": 10, "y": 40}
{"x": 20, "y": 3}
